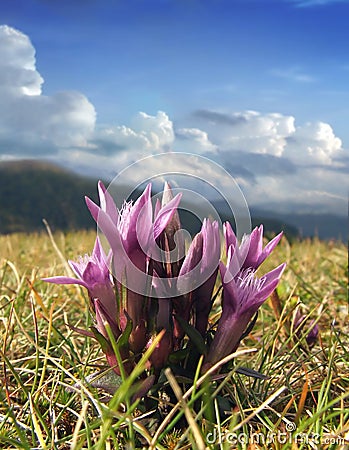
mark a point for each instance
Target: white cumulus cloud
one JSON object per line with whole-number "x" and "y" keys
{"x": 272, "y": 134}
{"x": 313, "y": 143}
{"x": 31, "y": 122}
{"x": 194, "y": 140}
{"x": 157, "y": 129}
{"x": 18, "y": 74}
{"x": 248, "y": 131}
{"x": 146, "y": 135}
{"x": 278, "y": 162}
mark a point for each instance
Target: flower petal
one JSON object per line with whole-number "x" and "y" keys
{"x": 100, "y": 257}
{"x": 93, "y": 208}
{"x": 77, "y": 268}
{"x": 233, "y": 264}
{"x": 271, "y": 281}
{"x": 65, "y": 280}
{"x": 269, "y": 248}
{"x": 231, "y": 298}
{"x": 98, "y": 250}
{"x": 194, "y": 255}
{"x": 144, "y": 226}
{"x": 142, "y": 206}
{"x": 255, "y": 246}
{"x": 157, "y": 207}
{"x": 230, "y": 238}
{"x": 165, "y": 215}
{"x": 107, "y": 202}
{"x": 211, "y": 247}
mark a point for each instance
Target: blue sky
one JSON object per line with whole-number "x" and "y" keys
{"x": 259, "y": 86}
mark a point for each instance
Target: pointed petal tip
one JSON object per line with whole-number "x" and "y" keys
{"x": 167, "y": 186}
{"x": 64, "y": 280}
{"x": 102, "y": 186}
{"x": 93, "y": 208}
{"x": 98, "y": 243}
{"x": 148, "y": 188}
{"x": 275, "y": 274}
{"x": 90, "y": 202}
{"x": 283, "y": 267}
{"x": 165, "y": 214}
{"x": 167, "y": 194}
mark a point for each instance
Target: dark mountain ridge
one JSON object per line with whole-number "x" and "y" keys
{"x": 33, "y": 190}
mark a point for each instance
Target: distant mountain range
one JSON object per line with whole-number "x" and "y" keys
{"x": 324, "y": 226}
{"x": 32, "y": 190}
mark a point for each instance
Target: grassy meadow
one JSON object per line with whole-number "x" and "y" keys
{"x": 302, "y": 401}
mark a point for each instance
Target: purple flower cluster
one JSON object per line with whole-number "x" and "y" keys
{"x": 148, "y": 282}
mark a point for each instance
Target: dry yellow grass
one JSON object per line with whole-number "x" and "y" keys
{"x": 41, "y": 355}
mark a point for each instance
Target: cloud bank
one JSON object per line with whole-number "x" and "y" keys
{"x": 31, "y": 122}
{"x": 277, "y": 162}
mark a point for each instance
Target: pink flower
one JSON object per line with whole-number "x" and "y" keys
{"x": 93, "y": 274}
{"x": 243, "y": 294}
{"x": 158, "y": 287}
{"x": 199, "y": 270}
{"x": 250, "y": 253}
{"x": 131, "y": 233}
{"x": 133, "y": 225}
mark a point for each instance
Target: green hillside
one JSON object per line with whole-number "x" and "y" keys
{"x": 31, "y": 191}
